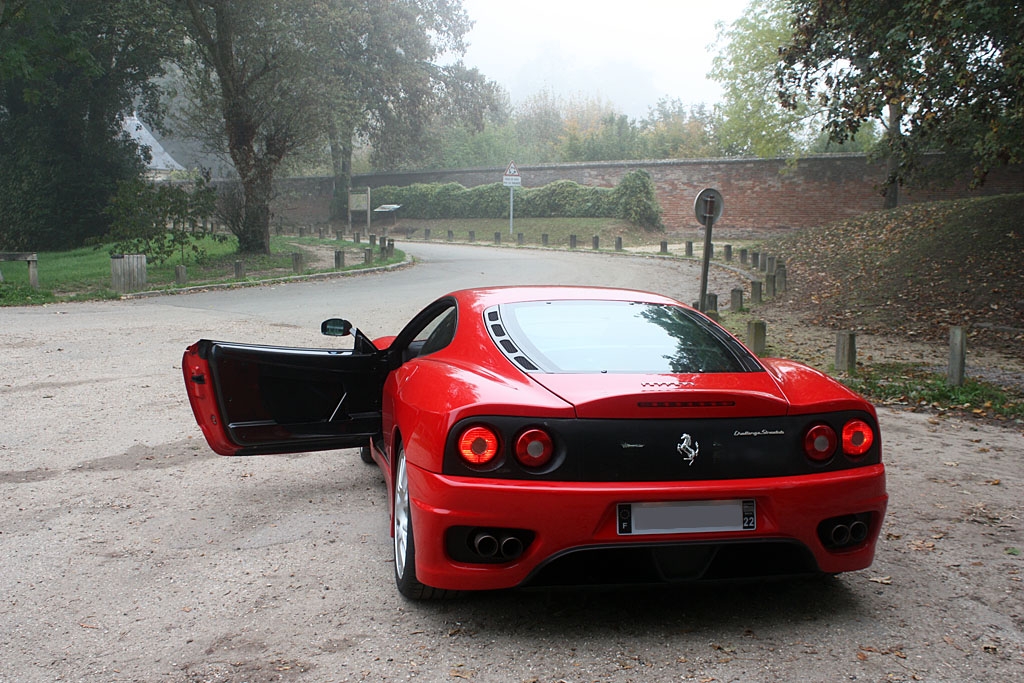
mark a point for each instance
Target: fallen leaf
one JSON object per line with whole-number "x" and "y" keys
{"x": 884, "y": 580}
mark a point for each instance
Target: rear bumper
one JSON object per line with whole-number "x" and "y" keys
{"x": 571, "y": 518}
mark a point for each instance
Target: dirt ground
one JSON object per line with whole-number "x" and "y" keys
{"x": 130, "y": 552}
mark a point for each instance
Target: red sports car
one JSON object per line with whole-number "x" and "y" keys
{"x": 534, "y": 436}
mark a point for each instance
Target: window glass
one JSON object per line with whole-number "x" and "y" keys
{"x": 617, "y": 336}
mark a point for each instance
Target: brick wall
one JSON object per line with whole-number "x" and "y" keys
{"x": 759, "y": 193}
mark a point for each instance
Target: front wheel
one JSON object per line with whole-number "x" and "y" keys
{"x": 405, "y": 545}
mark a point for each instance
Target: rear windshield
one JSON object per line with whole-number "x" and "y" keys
{"x": 615, "y": 336}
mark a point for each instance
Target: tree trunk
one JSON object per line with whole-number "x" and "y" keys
{"x": 341, "y": 163}
{"x": 894, "y": 136}
{"x": 255, "y": 233}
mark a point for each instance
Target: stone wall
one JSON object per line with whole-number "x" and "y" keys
{"x": 759, "y": 193}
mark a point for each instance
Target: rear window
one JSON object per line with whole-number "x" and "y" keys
{"x": 613, "y": 336}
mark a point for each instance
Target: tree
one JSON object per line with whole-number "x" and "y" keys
{"x": 940, "y": 75}
{"x": 251, "y": 74}
{"x": 69, "y": 74}
{"x": 673, "y": 131}
{"x": 753, "y": 119}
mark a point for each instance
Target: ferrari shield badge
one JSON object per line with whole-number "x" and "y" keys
{"x": 688, "y": 448}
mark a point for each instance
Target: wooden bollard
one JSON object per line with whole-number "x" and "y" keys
{"x": 710, "y": 302}
{"x": 664, "y": 247}
{"x": 957, "y": 357}
{"x": 320, "y": 233}
{"x": 302, "y": 232}
{"x": 618, "y": 244}
{"x": 355, "y": 237}
{"x": 373, "y": 240}
{"x": 770, "y": 267}
{"x": 757, "y": 336}
{"x": 451, "y": 235}
{"x": 572, "y": 241}
{"x": 383, "y": 250}
{"x": 846, "y": 352}
{"x": 780, "y": 278}
{"x": 764, "y": 263}
{"x": 769, "y": 285}
{"x": 497, "y": 238}
{"x": 597, "y": 243}
{"x": 689, "y": 247}
{"x": 544, "y": 239}
{"x": 367, "y": 256}
{"x": 755, "y": 292}
{"x": 520, "y": 239}
{"x": 728, "y": 252}
{"x": 736, "y": 300}
{"x": 239, "y": 269}
{"x": 426, "y": 234}
{"x": 337, "y": 235}
{"x": 339, "y": 258}
{"x": 743, "y": 256}
{"x": 391, "y": 248}
{"x": 472, "y": 235}
{"x": 755, "y": 260}
{"x": 297, "y": 262}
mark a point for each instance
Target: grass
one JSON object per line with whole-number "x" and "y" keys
{"x": 84, "y": 274}
{"x": 920, "y": 387}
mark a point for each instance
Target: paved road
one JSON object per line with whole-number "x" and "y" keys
{"x": 129, "y": 552}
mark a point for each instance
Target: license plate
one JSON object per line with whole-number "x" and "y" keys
{"x": 687, "y": 517}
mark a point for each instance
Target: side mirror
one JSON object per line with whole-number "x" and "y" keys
{"x": 336, "y": 327}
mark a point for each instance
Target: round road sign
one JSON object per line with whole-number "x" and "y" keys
{"x": 709, "y": 204}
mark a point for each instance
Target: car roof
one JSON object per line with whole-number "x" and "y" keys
{"x": 486, "y": 297}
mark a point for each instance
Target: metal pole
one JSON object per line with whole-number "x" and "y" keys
{"x": 511, "y": 201}
{"x": 709, "y": 214}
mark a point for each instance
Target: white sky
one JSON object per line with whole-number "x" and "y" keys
{"x": 628, "y": 52}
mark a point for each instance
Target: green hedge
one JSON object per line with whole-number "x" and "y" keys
{"x": 632, "y": 200}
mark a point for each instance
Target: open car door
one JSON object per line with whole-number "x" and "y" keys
{"x": 251, "y": 399}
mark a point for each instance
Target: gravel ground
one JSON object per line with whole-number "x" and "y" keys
{"x": 130, "y": 552}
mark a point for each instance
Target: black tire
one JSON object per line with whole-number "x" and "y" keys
{"x": 404, "y": 544}
{"x": 365, "y": 455}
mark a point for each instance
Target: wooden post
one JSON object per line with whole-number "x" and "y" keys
{"x": 367, "y": 256}
{"x": 373, "y": 240}
{"x": 757, "y": 336}
{"x": 743, "y": 256}
{"x": 689, "y": 247}
{"x": 391, "y": 248}
{"x": 520, "y": 238}
{"x": 239, "y": 269}
{"x": 597, "y": 243}
{"x": 297, "y": 262}
{"x": 618, "y": 244}
{"x": 780, "y": 278}
{"x": 572, "y": 241}
{"x": 846, "y": 352}
{"x": 451, "y": 235}
{"x": 755, "y": 260}
{"x": 711, "y": 303}
{"x": 319, "y": 233}
{"x": 764, "y": 263}
{"x": 180, "y": 275}
{"x": 957, "y": 356}
{"x": 728, "y": 252}
{"x": 355, "y": 237}
{"x": 755, "y": 292}
{"x": 497, "y": 238}
{"x": 426, "y": 234}
{"x": 771, "y": 265}
{"x": 302, "y": 232}
{"x": 736, "y": 300}
{"x": 769, "y": 285}
{"x": 544, "y": 239}
{"x": 339, "y": 259}
{"x": 472, "y": 235}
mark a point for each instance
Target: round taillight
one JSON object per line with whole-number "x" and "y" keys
{"x": 857, "y": 438}
{"x": 820, "y": 442}
{"x": 478, "y": 445}
{"x": 534, "y": 448}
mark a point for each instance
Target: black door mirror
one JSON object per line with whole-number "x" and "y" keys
{"x": 336, "y": 327}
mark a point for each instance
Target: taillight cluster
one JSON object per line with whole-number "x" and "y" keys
{"x": 821, "y": 440}
{"x": 480, "y": 446}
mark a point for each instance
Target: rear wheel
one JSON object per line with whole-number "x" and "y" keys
{"x": 405, "y": 545}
